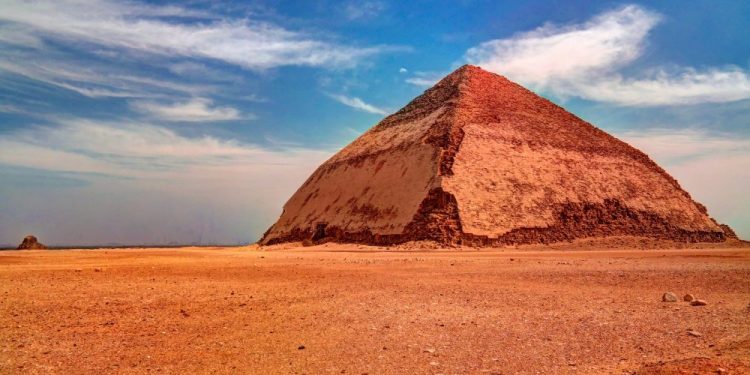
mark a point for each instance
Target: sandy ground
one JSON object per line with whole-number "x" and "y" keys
{"x": 340, "y": 309}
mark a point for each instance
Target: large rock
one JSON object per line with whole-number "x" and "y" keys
{"x": 480, "y": 160}
{"x": 30, "y": 242}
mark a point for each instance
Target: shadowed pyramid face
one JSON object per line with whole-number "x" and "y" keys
{"x": 480, "y": 160}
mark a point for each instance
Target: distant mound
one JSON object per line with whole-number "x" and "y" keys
{"x": 31, "y": 243}
{"x": 479, "y": 160}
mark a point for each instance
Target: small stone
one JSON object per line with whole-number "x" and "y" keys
{"x": 698, "y": 302}
{"x": 688, "y": 297}
{"x": 669, "y": 297}
{"x": 694, "y": 333}
{"x": 301, "y": 347}
{"x": 429, "y": 350}
{"x": 184, "y": 313}
{"x": 433, "y": 363}
{"x": 721, "y": 370}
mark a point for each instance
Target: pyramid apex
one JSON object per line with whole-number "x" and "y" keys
{"x": 467, "y": 70}
{"x": 469, "y": 75}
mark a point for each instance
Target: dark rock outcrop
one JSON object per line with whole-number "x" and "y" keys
{"x": 31, "y": 243}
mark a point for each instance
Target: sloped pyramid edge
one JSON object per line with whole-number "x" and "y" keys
{"x": 438, "y": 217}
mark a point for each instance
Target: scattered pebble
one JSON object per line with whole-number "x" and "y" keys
{"x": 688, "y": 297}
{"x": 694, "y": 333}
{"x": 184, "y": 313}
{"x": 669, "y": 297}
{"x": 433, "y": 363}
{"x": 301, "y": 347}
{"x": 429, "y": 350}
{"x": 698, "y": 302}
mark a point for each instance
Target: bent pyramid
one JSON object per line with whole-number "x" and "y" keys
{"x": 480, "y": 160}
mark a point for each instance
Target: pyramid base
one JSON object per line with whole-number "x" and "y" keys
{"x": 437, "y": 220}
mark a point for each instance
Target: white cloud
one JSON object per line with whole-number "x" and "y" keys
{"x": 255, "y": 98}
{"x": 146, "y": 29}
{"x": 142, "y": 183}
{"x": 201, "y": 71}
{"x": 142, "y": 150}
{"x": 585, "y": 60}
{"x": 13, "y": 35}
{"x": 685, "y": 86}
{"x": 363, "y": 9}
{"x": 358, "y": 104}
{"x": 193, "y": 110}
{"x": 10, "y": 108}
{"x": 425, "y": 79}
{"x": 93, "y": 79}
{"x": 550, "y": 52}
{"x": 403, "y": 70}
{"x": 421, "y": 82}
{"x": 711, "y": 167}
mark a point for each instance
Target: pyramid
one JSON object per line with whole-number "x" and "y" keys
{"x": 479, "y": 160}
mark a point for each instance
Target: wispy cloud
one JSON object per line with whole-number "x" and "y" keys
{"x": 669, "y": 87}
{"x": 585, "y": 60}
{"x": 10, "y": 108}
{"x": 139, "y": 150}
{"x": 193, "y": 110}
{"x": 425, "y": 79}
{"x": 358, "y": 104}
{"x": 679, "y": 146}
{"x": 138, "y": 28}
{"x": 711, "y": 166}
{"x": 93, "y": 79}
{"x": 143, "y": 184}
{"x": 363, "y": 9}
{"x": 110, "y": 49}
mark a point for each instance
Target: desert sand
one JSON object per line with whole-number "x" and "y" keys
{"x": 353, "y": 309}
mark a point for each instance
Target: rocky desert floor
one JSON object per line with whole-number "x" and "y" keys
{"x": 348, "y": 309}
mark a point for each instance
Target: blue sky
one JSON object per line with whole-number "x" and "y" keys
{"x": 193, "y": 122}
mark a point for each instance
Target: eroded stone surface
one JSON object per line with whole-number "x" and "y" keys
{"x": 31, "y": 243}
{"x": 480, "y": 160}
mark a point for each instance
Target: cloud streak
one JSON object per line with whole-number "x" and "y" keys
{"x": 142, "y": 183}
{"x": 358, "y": 104}
{"x": 711, "y": 166}
{"x": 425, "y": 79}
{"x": 193, "y": 110}
{"x": 145, "y": 29}
{"x": 139, "y": 150}
{"x": 363, "y": 9}
{"x": 93, "y": 80}
{"x": 585, "y": 60}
